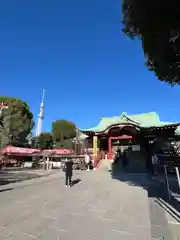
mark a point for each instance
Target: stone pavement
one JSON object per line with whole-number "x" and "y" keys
{"x": 98, "y": 207}
{"x": 19, "y": 174}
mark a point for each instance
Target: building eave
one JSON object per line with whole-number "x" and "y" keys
{"x": 160, "y": 126}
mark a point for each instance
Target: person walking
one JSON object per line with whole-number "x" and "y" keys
{"x": 68, "y": 172}
{"x": 154, "y": 164}
{"x": 87, "y": 161}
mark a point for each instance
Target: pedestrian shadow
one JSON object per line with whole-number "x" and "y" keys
{"x": 76, "y": 181}
{"x": 10, "y": 176}
{"x": 6, "y": 190}
{"x": 155, "y": 189}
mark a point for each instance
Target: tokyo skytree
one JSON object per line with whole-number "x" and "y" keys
{"x": 40, "y": 116}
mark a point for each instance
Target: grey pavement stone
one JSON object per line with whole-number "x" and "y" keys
{"x": 159, "y": 222}
{"x": 9, "y": 176}
{"x": 98, "y": 207}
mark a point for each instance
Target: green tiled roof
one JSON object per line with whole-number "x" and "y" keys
{"x": 144, "y": 120}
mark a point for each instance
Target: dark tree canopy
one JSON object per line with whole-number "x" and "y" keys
{"x": 67, "y": 143}
{"x": 157, "y": 25}
{"x": 16, "y": 121}
{"x": 45, "y": 140}
{"x": 63, "y": 129}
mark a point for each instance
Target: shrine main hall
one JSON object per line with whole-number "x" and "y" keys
{"x": 134, "y": 132}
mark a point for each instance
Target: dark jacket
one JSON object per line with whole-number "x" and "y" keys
{"x": 69, "y": 166}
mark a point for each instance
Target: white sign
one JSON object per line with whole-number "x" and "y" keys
{"x": 136, "y": 148}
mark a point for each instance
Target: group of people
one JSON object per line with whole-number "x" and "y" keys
{"x": 69, "y": 169}
{"x": 154, "y": 164}
{"x": 121, "y": 158}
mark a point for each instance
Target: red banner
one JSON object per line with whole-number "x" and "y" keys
{"x": 19, "y": 150}
{"x": 11, "y": 149}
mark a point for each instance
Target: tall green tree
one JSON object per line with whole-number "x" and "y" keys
{"x": 45, "y": 140}
{"x": 156, "y": 24}
{"x": 63, "y": 130}
{"x": 17, "y": 121}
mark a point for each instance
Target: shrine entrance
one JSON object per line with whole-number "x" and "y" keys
{"x": 121, "y": 137}
{"x": 128, "y": 142}
{"x": 121, "y": 143}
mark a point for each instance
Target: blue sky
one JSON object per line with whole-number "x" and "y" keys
{"x": 76, "y": 50}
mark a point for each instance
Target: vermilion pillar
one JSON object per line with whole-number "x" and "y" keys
{"x": 109, "y": 145}
{"x": 110, "y": 156}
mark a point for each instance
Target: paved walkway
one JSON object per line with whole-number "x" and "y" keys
{"x": 19, "y": 174}
{"x": 98, "y": 207}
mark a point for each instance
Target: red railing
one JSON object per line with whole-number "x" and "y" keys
{"x": 110, "y": 156}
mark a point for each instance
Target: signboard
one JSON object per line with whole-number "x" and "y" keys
{"x": 136, "y": 148}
